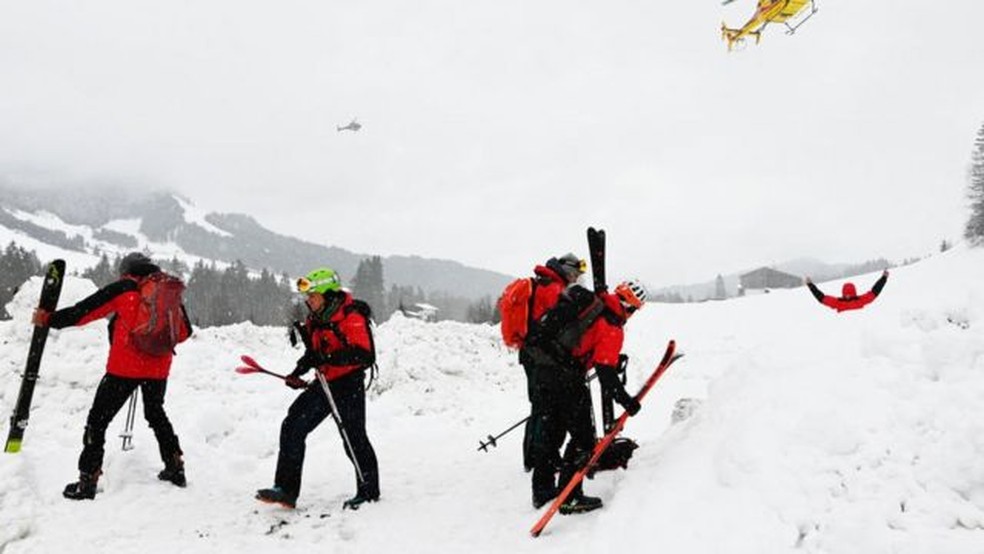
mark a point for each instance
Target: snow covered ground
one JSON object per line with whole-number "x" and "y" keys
{"x": 817, "y": 432}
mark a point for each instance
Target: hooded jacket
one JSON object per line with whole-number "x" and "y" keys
{"x": 849, "y": 299}
{"x": 341, "y": 341}
{"x": 601, "y": 344}
{"x": 120, "y": 301}
{"x": 549, "y": 285}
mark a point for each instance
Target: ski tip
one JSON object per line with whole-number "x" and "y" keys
{"x": 13, "y": 447}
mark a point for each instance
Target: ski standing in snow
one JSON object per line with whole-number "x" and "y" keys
{"x": 144, "y": 361}
{"x": 338, "y": 344}
{"x": 50, "y": 291}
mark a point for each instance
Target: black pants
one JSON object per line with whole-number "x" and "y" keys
{"x": 562, "y": 407}
{"x": 307, "y": 412}
{"x": 111, "y": 394}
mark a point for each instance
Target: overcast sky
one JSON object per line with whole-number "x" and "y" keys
{"x": 495, "y": 131}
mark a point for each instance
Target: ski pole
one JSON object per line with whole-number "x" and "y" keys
{"x": 246, "y": 370}
{"x": 341, "y": 428}
{"x": 492, "y": 440}
{"x": 252, "y": 366}
{"x": 131, "y": 414}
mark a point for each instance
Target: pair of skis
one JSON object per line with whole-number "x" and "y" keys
{"x": 669, "y": 356}
{"x": 50, "y": 291}
{"x": 612, "y": 427}
{"x": 596, "y": 249}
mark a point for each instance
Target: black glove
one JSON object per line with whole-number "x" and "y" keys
{"x": 608, "y": 376}
{"x": 630, "y": 404}
{"x": 306, "y": 362}
{"x": 295, "y": 382}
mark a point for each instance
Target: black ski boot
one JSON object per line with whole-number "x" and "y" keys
{"x": 84, "y": 488}
{"x": 277, "y": 495}
{"x": 542, "y": 498}
{"x": 358, "y": 500}
{"x": 544, "y": 484}
{"x": 174, "y": 472}
{"x": 580, "y": 504}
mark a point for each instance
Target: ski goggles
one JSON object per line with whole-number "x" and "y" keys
{"x": 304, "y": 285}
{"x": 321, "y": 282}
{"x": 578, "y": 265}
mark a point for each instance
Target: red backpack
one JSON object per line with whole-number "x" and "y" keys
{"x": 160, "y": 322}
{"x": 515, "y": 305}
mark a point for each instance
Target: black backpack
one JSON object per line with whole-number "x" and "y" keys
{"x": 559, "y": 331}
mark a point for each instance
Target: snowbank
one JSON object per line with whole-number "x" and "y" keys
{"x": 817, "y": 432}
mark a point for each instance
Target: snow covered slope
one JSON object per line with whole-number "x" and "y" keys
{"x": 817, "y": 432}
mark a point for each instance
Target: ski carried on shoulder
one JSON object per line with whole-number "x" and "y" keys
{"x": 596, "y": 249}
{"x": 669, "y": 357}
{"x": 50, "y": 291}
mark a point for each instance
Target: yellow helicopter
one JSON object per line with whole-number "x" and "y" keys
{"x": 768, "y": 11}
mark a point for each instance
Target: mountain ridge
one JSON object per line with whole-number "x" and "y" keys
{"x": 164, "y": 219}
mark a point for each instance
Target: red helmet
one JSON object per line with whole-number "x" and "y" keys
{"x": 632, "y": 294}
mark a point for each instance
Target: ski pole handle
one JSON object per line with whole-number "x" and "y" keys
{"x": 245, "y": 370}
{"x": 491, "y": 441}
{"x": 252, "y": 366}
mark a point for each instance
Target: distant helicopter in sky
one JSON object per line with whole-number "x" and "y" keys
{"x": 353, "y": 126}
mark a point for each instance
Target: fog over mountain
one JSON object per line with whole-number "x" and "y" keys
{"x": 111, "y": 215}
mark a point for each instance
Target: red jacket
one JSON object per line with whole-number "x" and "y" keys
{"x": 601, "y": 344}
{"x": 849, "y": 299}
{"x": 548, "y": 287}
{"x": 119, "y": 300}
{"x": 342, "y": 343}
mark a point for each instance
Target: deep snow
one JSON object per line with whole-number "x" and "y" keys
{"x": 816, "y": 432}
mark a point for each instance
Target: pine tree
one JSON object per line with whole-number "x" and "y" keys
{"x": 482, "y": 311}
{"x": 201, "y": 294}
{"x": 974, "y": 231}
{"x": 234, "y": 303}
{"x": 103, "y": 273}
{"x": 16, "y": 266}
{"x": 176, "y": 267}
{"x": 368, "y": 284}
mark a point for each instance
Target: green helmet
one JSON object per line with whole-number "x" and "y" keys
{"x": 320, "y": 280}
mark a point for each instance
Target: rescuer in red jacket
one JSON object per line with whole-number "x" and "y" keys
{"x": 550, "y": 281}
{"x": 339, "y": 345}
{"x": 583, "y": 331}
{"x": 126, "y": 369}
{"x": 849, "y": 299}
